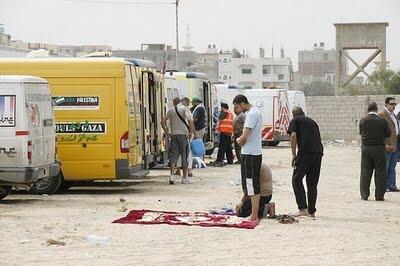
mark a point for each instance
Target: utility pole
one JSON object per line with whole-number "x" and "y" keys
{"x": 177, "y": 34}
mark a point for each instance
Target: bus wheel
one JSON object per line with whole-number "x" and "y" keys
{"x": 4, "y": 191}
{"x": 48, "y": 185}
{"x": 272, "y": 143}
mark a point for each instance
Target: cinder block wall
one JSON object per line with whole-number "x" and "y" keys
{"x": 338, "y": 116}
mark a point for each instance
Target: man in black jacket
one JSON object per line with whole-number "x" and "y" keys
{"x": 373, "y": 130}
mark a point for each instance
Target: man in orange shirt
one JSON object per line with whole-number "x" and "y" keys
{"x": 225, "y": 128}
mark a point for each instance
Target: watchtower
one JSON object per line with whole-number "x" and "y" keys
{"x": 356, "y": 36}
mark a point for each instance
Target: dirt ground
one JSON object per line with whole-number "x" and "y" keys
{"x": 347, "y": 230}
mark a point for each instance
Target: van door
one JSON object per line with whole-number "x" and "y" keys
{"x": 34, "y": 113}
{"x": 144, "y": 92}
{"x": 46, "y": 116}
{"x": 11, "y": 147}
{"x": 134, "y": 118}
{"x": 153, "y": 113}
{"x": 209, "y": 137}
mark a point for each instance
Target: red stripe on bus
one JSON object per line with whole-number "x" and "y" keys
{"x": 21, "y": 133}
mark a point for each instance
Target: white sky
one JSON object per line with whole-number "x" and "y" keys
{"x": 242, "y": 24}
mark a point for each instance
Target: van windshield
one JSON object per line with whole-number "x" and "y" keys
{"x": 7, "y": 110}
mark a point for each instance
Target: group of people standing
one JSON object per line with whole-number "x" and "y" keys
{"x": 256, "y": 177}
{"x": 184, "y": 125}
{"x": 246, "y": 129}
{"x": 379, "y": 150}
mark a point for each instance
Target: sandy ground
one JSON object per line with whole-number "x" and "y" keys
{"x": 347, "y": 230}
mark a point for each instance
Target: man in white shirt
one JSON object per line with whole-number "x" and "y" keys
{"x": 251, "y": 144}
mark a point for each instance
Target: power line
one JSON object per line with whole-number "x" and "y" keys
{"x": 122, "y": 2}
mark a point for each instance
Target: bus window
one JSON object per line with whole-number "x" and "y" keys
{"x": 129, "y": 87}
{"x": 169, "y": 95}
{"x": 176, "y": 93}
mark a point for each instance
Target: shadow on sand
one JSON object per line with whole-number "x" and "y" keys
{"x": 8, "y": 201}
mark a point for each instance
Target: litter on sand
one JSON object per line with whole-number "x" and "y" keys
{"x": 286, "y": 219}
{"x": 51, "y": 242}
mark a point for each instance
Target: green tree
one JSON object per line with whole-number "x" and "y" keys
{"x": 393, "y": 85}
{"x": 319, "y": 88}
{"x": 390, "y": 79}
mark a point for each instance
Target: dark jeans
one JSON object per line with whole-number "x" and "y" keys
{"x": 225, "y": 147}
{"x": 308, "y": 165}
{"x": 238, "y": 150}
{"x": 391, "y": 162}
{"x": 245, "y": 211}
{"x": 373, "y": 158}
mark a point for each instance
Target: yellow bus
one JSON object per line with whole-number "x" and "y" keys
{"x": 107, "y": 112}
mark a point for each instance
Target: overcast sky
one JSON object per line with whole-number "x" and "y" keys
{"x": 243, "y": 24}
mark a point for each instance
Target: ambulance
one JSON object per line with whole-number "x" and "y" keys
{"x": 27, "y": 135}
{"x": 275, "y": 106}
{"x": 107, "y": 116}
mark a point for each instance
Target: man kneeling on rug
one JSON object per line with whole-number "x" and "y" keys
{"x": 243, "y": 209}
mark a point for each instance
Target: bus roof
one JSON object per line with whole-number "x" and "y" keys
{"x": 64, "y": 67}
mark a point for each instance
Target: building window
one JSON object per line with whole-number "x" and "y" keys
{"x": 267, "y": 69}
{"x": 225, "y": 61}
{"x": 325, "y": 56}
{"x": 246, "y": 70}
{"x": 230, "y": 77}
{"x": 225, "y": 78}
{"x": 248, "y": 87}
{"x": 281, "y": 76}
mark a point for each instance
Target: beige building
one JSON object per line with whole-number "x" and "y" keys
{"x": 255, "y": 73}
{"x": 208, "y": 63}
{"x": 79, "y": 50}
{"x": 5, "y": 39}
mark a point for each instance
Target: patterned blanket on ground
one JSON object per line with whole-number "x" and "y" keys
{"x": 185, "y": 218}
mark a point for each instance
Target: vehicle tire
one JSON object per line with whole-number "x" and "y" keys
{"x": 4, "y": 191}
{"x": 65, "y": 185}
{"x": 48, "y": 185}
{"x": 273, "y": 143}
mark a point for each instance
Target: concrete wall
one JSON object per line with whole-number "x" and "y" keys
{"x": 338, "y": 116}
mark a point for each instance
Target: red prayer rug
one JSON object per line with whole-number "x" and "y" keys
{"x": 185, "y": 218}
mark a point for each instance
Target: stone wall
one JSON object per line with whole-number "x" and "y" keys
{"x": 338, "y": 116}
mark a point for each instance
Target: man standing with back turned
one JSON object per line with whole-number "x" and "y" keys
{"x": 251, "y": 152}
{"x": 180, "y": 131}
{"x": 374, "y": 130}
{"x": 304, "y": 133}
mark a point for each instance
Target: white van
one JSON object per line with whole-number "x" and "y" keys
{"x": 275, "y": 106}
{"x": 27, "y": 134}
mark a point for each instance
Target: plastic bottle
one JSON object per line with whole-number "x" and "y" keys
{"x": 99, "y": 240}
